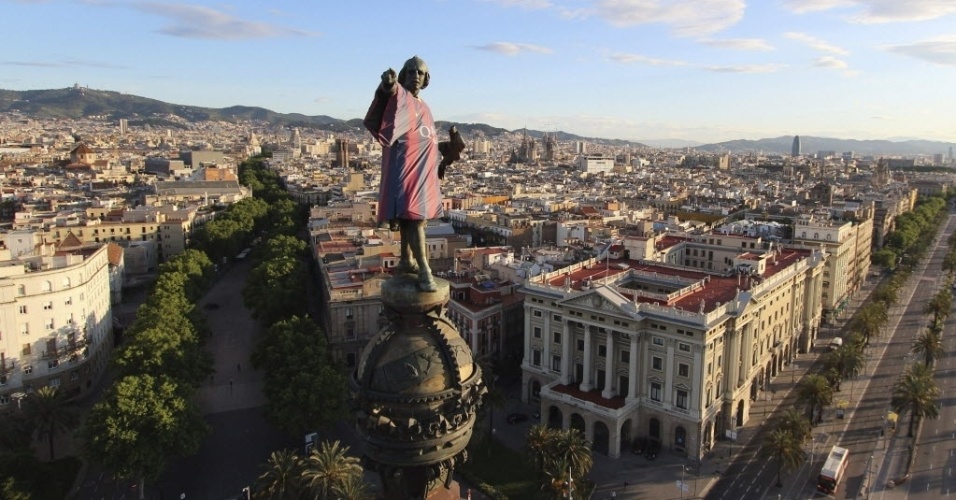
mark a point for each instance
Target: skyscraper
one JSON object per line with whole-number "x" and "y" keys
{"x": 795, "y": 150}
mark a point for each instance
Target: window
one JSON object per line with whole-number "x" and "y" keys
{"x": 557, "y": 318}
{"x": 54, "y": 382}
{"x": 556, "y": 335}
{"x": 53, "y": 363}
{"x": 74, "y": 375}
{"x": 682, "y": 398}
{"x": 580, "y": 344}
{"x": 23, "y": 309}
{"x": 709, "y": 399}
{"x": 656, "y": 391}
{"x": 350, "y": 359}
{"x": 602, "y": 350}
{"x": 27, "y": 349}
{"x": 683, "y": 370}
{"x": 21, "y": 290}
{"x": 537, "y": 314}
{"x": 710, "y": 368}
{"x": 25, "y": 329}
{"x": 537, "y": 332}
{"x": 350, "y": 331}
{"x": 625, "y": 356}
{"x": 658, "y": 341}
{"x": 536, "y": 357}
{"x": 27, "y": 369}
{"x": 657, "y": 363}
{"x": 556, "y": 363}
{"x": 68, "y": 301}
{"x": 683, "y": 347}
{"x": 4, "y": 399}
{"x": 46, "y": 287}
{"x": 48, "y": 305}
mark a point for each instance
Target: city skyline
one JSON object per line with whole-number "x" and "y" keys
{"x": 699, "y": 70}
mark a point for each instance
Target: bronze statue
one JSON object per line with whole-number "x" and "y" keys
{"x": 409, "y": 193}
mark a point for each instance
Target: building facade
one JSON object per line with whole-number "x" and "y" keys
{"x": 55, "y": 321}
{"x": 629, "y": 349}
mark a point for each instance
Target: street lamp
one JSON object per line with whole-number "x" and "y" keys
{"x": 248, "y": 493}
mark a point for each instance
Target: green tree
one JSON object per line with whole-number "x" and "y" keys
{"x": 537, "y": 443}
{"x": 49, "y": 413}
{"x": 869, "y": 320}
{"x": 140, "y": 423}
{"x": 847, "y": 361}
{"x": 352, "y": 488}
{"x": 10, "y": 490}
{"x": 570, "y": 449}
{"x": 916, "y": 392}
{"x": 792, "y": 422}
{"x": 940, "y": 305}
{"x": 304, "y": 386}
{"x": 281, "y": 477}
{"x": 788, "y": 451}
{"x": 884, "y": 258}
{"x": 280, "y": 247}
{"x": 815, "y": 392}
{"x": 327, "y": 467}
{"x": 929, "y": 345}
{"x": 195, "y": 266}
{"x": 162, "y": 350}
{"x": 276, "y": 289}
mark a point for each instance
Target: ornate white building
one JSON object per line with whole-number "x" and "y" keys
{"x": 55, "y": 318}
{"x": 623, "y": 349}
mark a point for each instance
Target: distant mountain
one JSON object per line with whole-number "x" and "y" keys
{"x": 80, "y": 102}
{"x": 811, "y": 145}
{"x": 670, "y": 143}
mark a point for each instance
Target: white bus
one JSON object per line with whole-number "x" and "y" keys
{"x": 833, "y": 469}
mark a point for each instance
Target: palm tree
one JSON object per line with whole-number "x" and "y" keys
{"x": 537, "y": 442}
{"x": 788, "y": 451}
{"x": 792, "y": 422}
{"x": 846, "y": 361}
{"x": 282, "y": 477}
{"x": 353, "y": 488}
{"x": 870, "y": 319}
{"x": 329, "y": 466}
{"x": 815, "y": 392}
{"x": 929, "y": 345}
{"x": 917, "y": 393}
{"x": 569, "y": 447}
{"x": 49, "y": 413}
{"x": 940, "y": 305}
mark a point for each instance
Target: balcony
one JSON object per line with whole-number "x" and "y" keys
{"x": 591, "y": 401}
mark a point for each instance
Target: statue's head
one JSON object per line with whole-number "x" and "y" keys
{"x": 414, "y": 75}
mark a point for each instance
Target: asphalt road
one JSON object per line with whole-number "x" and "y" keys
{"x": 752, "y": 475}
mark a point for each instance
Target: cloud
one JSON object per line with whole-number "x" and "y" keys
{"x": 641, "y": 59}
{"x": 738, "y": 43}
{"x": 524, "y": 4}
{"x": 747, "y": 68}
{"x": 802, "y": 6}
{"x": 830, "y": 62}
{"x": 879, "y": 11}
{"x": 193, "y": 21}
{"x": 684, "y": 17}
{"x": 888, "y": 11}
{"x": 816, "y": 43}
{"x": 937, "y": 51}
{"x": 513, "y": 49}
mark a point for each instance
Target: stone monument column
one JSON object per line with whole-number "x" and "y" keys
{"x": 415, "y": 394}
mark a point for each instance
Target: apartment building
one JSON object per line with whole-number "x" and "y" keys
{"x": 849, "y": 243}
{"x": 55, "y": 320}
{"x": 622, "y": 349}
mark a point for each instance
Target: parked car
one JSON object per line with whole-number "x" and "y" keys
{"x": 835, "y": 343}
{"x": 639, "y": 445}
{"x": 514, "y": 418}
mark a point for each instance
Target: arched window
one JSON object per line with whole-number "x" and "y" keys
{"x": 46, "y": 287}
{"x": 66, "y": 282}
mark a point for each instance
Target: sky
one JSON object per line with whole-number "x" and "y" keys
{"x": 699, "y": 70}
